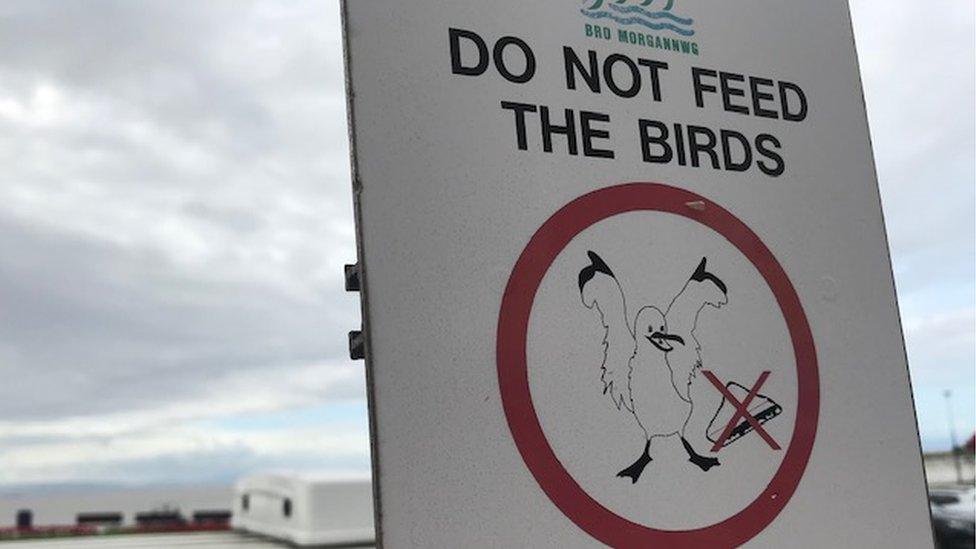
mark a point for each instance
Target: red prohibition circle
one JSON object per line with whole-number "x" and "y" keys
{"x": 513, "y": 376}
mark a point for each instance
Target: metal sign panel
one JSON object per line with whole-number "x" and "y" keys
{"x": 625, "y": 278}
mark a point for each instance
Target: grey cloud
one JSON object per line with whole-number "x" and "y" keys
{"x": 179, "y": 212}
{"x": 919, "y": 72}
{"x": 88, "y": 327}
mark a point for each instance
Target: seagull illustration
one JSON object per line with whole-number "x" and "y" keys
{"x": 647, "y": 369}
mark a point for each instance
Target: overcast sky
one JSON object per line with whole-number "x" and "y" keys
{"x": 175, "y": 211}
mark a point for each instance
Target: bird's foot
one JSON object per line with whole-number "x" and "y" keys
{"x": 634, "y": 471}
{"x": 703, "y": 463}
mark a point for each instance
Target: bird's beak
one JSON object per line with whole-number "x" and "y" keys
{"x": 663, "y": 341}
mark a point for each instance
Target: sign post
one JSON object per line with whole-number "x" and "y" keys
{"x": 625, "y": 278}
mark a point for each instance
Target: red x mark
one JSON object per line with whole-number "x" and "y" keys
{"x": 741, "y": 410}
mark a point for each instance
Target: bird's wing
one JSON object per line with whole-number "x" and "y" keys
{"x": 702, "y": 289}
{"x": 600, "y": 290}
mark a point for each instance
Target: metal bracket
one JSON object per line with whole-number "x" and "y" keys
{"x": 357, "y": 345}
{"x": 352, "y": 278}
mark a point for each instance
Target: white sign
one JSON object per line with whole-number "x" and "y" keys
{"x": 626, "y": 279}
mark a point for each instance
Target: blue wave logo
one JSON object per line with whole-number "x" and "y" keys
{"x": 624, "y": 12}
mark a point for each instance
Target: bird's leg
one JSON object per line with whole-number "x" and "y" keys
{"x": 704, "y": 463}
{"x": 634, "y": 471}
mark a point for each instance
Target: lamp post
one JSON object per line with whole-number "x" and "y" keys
{"x": 952, "y": 436}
